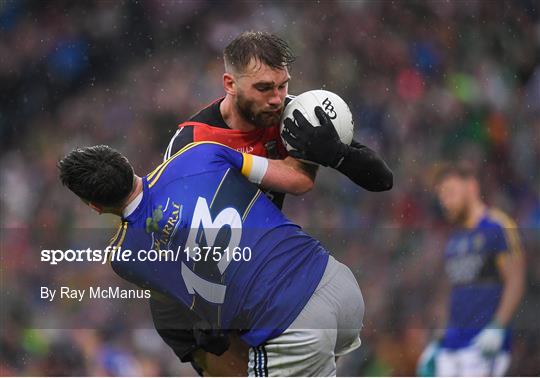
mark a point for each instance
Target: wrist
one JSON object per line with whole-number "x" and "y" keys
{"x": 341, "y": 154}
{"x": 494, "y": 323}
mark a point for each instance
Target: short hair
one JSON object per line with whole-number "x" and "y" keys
{"x": 459, "y": 169}
{"x": 98, "y": 174}
{"x": 264, "y": 47}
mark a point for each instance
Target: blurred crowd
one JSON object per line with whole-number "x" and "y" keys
{"x": 426, "y": 81}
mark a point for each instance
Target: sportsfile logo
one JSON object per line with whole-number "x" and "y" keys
{"x": 109, "y": 254}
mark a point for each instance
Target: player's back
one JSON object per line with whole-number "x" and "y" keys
{"x": 239, "y": 262}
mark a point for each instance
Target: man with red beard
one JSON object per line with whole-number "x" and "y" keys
{"x": 248, "y": 119}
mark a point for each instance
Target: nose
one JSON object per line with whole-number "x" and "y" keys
{"x": 275, "y": 98}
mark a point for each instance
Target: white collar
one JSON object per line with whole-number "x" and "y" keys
{"x": 130, "y": 208}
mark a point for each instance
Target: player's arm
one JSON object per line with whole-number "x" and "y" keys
{"x": 307, "y": 169}
{"x": 287, "y": 176}
{"x": 511, "y": 268}
{"x": 322, "y": 145}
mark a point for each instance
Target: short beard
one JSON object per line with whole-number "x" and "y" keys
{"x": 460, "y": 217}
{"x": 246, "y": 110}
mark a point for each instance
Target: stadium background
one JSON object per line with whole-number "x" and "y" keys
{"x": 425, "y": 80}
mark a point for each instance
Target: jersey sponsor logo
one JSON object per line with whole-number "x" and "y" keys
{"x": 463, "y": 269}
{"x": 169, "y": 229}
{"x": 152, "y": 223}
{"x": 245, "y": 150}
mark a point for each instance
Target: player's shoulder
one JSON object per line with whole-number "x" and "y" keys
{"x": 203, "y": 148}
{"x": 497, "y": 218}
{"x": 210, "y": 115}
{"x": 194, "y": 157}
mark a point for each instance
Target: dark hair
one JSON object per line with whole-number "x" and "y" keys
{"x": 264, "y": 47}
{"x": 98, "y": 174}
{"x": 462, "y": 170}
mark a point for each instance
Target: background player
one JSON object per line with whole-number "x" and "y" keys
{"x": 485, "y": 265}
{"x": 247, "y": 119}
{"x": 297, "y": 306}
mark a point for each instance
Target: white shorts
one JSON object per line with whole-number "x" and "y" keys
{"x": 327, "y": 327}
{"x": 470, "y": 362}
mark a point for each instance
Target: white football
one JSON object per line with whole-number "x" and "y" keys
{"x": 332, "y": 104}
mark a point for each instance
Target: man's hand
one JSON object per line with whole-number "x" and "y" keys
{"x": 318, "y": 144}
{"x": 426, "y": 364}
{"x": 490, "y": 339}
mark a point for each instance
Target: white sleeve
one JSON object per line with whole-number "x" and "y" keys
{"x": 254, "y": 167}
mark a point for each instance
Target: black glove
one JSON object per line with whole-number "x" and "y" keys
{"x": 319, "y": 144}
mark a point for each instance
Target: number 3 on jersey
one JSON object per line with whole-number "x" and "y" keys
{"x": 218, "y": 225}
{"x": 203, "y": 226}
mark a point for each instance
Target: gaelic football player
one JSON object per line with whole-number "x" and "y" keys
{"x": 485, "y": 266}
{"x": 240, "y": 265}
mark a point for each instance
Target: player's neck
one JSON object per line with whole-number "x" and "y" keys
{"x": 137, "y": 189}
{"x": 232, "y": 118}
{"x": 476, "y": 212}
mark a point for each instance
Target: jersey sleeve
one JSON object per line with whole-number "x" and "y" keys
{"x": 366, "y": 169}
{"x": 505, "y": 243}
{"x": 504, "y": 239}
{"x": 251, "y": 166}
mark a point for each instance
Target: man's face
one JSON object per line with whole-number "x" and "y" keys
{"x": 260, "y": 93}
{"x": 454, "y": 193}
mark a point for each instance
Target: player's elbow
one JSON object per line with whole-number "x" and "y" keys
{"x": 383, "y": 183}
{"x": 301, "y": 185}
{"x": 387, "y": 181}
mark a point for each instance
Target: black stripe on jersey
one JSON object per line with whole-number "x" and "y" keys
{"x": 211, "y": 115}
{"x": 265, "y": 361}
{"x": 182, "y": 138}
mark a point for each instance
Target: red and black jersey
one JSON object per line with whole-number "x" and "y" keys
{"x": 208, "y": 125}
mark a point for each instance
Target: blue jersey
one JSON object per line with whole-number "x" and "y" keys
{"x": 471, "y": 259}
{"x": 239, "y": 263}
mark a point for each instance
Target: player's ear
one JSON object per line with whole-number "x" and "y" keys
{"x": 474, "y": 187}
{"x": 229, "y": 84}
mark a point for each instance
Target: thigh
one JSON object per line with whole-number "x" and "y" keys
{"x": 306, "y": 348}
{"x": 347, "y": 293}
